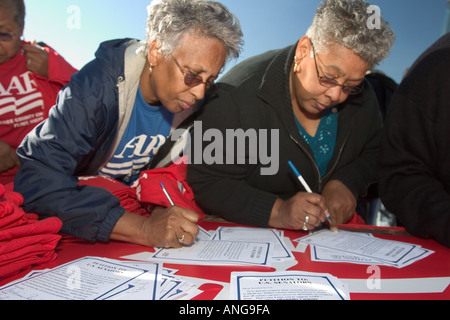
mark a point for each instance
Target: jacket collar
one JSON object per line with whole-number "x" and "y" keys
{"x": 277, "y": 73}
{"x": 275, "y": 91}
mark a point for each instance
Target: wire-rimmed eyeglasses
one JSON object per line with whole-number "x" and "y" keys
{"x": 192, "y": 79}
{"x": 331, "y": 83}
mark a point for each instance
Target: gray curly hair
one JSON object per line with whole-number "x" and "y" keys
{"x": 169, "y": 20}
{"x": 344, "y": 22}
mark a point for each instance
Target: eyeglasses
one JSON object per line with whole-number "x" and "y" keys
{"x": 192, "y": 79}
{"x": 331, "y": 83}
{"x": 7, "y": 36}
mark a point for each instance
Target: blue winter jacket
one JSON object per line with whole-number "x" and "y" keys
{"x": 78, "y": 138}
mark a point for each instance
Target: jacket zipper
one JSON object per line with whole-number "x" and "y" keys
{"x": 312, "y": 161}
{"x": 320, "y": 179}
{"x": 120, "y": 80}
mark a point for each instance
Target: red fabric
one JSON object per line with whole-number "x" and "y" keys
{"x": 147, "y": 192}
{"x": 356, "y": 220}
{"x": 148, "y": 188}
{"x": 41, "y": 227}
{"x": 26, "y": 98}
{"x": 25, "y": 262}
{"x": 24, "y": 240}
{"x": 125, "y": 194}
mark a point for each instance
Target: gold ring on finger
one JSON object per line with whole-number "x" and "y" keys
{"x": 181, "y": 240}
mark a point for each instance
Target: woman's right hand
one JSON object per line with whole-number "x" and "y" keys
{"x": 304, "y": 211}
{"x": 166, "y": 228}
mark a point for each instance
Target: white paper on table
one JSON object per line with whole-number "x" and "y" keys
{"x": 288, "y": 285}
{"x": 214, "y": 252}
{"x": 203, "y": 234}
{"x": 140, "y": 288}
{"x": 275, "y": 237}
{"x": 88, "y": 278}
{"x": 321, "y": 254}
{"x": 383, "y": 251}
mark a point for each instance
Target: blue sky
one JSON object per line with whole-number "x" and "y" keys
{"x": 75, "y": 28}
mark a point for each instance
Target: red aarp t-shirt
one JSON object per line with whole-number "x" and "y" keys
{"x": 26, "y": 98}
{"x": 22, "y": 103}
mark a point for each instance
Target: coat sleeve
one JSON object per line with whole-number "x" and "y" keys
{"x": 51, "y": 155}
{"x": 358, "y": 165}
{"x": 414, "y": 179}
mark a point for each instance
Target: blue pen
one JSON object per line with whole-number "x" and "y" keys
{"x": 303, "y": 182}
{"x": 300, "y": 178}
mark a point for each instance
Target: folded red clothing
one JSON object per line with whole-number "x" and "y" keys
{"x": 11, "y": 213}
{"x": 14, "y": 219}
{"x": 125, "y": 194}
{"x": 6, "y": 209}
{"x": 25, "y": 262}
{"x": 14, "y": 198}
{"x": 17, "y": 248}
{"x": 44, "y": 227}
{"x": 148, "y": 188}
{"x": 24, "y": 239}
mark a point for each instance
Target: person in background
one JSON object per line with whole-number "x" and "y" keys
{"x": 322, "y": 115}
{"x": 370, "y": 207}
{"x": 414, "y": 174}
{"x": 30, "y": 79}
{"x": 116, "y": 113}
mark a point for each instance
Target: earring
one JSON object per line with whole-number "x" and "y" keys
{"x": 296, "y": 66}
{"x": 151, "y": 68}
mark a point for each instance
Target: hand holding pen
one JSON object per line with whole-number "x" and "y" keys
{"x": 308, "y": 190}
{"x": 182, "y": 239}
{"x": 184, "y": 232}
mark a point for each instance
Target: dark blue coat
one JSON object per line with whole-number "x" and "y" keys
{"x": 77, "y": 140}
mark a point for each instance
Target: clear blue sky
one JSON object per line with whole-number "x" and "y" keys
{"x": 267, "y": 24}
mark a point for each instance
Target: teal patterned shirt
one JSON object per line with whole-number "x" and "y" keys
{"x": 324, "y": 142}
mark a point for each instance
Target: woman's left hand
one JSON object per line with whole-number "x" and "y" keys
{"x": 340, "y": 201}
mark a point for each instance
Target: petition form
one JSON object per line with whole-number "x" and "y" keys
{"x": 88, "y": 278}
{"x": 351, "y": 247}
{"x": 288, "y": 285}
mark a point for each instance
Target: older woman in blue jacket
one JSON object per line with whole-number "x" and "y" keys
{"x": 116, "y": 113}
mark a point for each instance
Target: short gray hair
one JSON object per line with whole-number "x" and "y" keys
{"x": 345, "y": 22}
{"x": 169, "y": 20}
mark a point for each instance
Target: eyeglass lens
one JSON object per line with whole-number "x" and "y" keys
{"x": 192, "y": 80}
{"x": 330, "y": 83}
{"x": 6, "y": 36}
{"x": 347, "y": 89}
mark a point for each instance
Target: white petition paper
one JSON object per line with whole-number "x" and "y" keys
{"x": 274, "y": 237}
{"x": 358, "y": 248}
{"x": 288, "y": 285}
{"x": 217, "y": 253}
{"x": 88, "y": 278}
